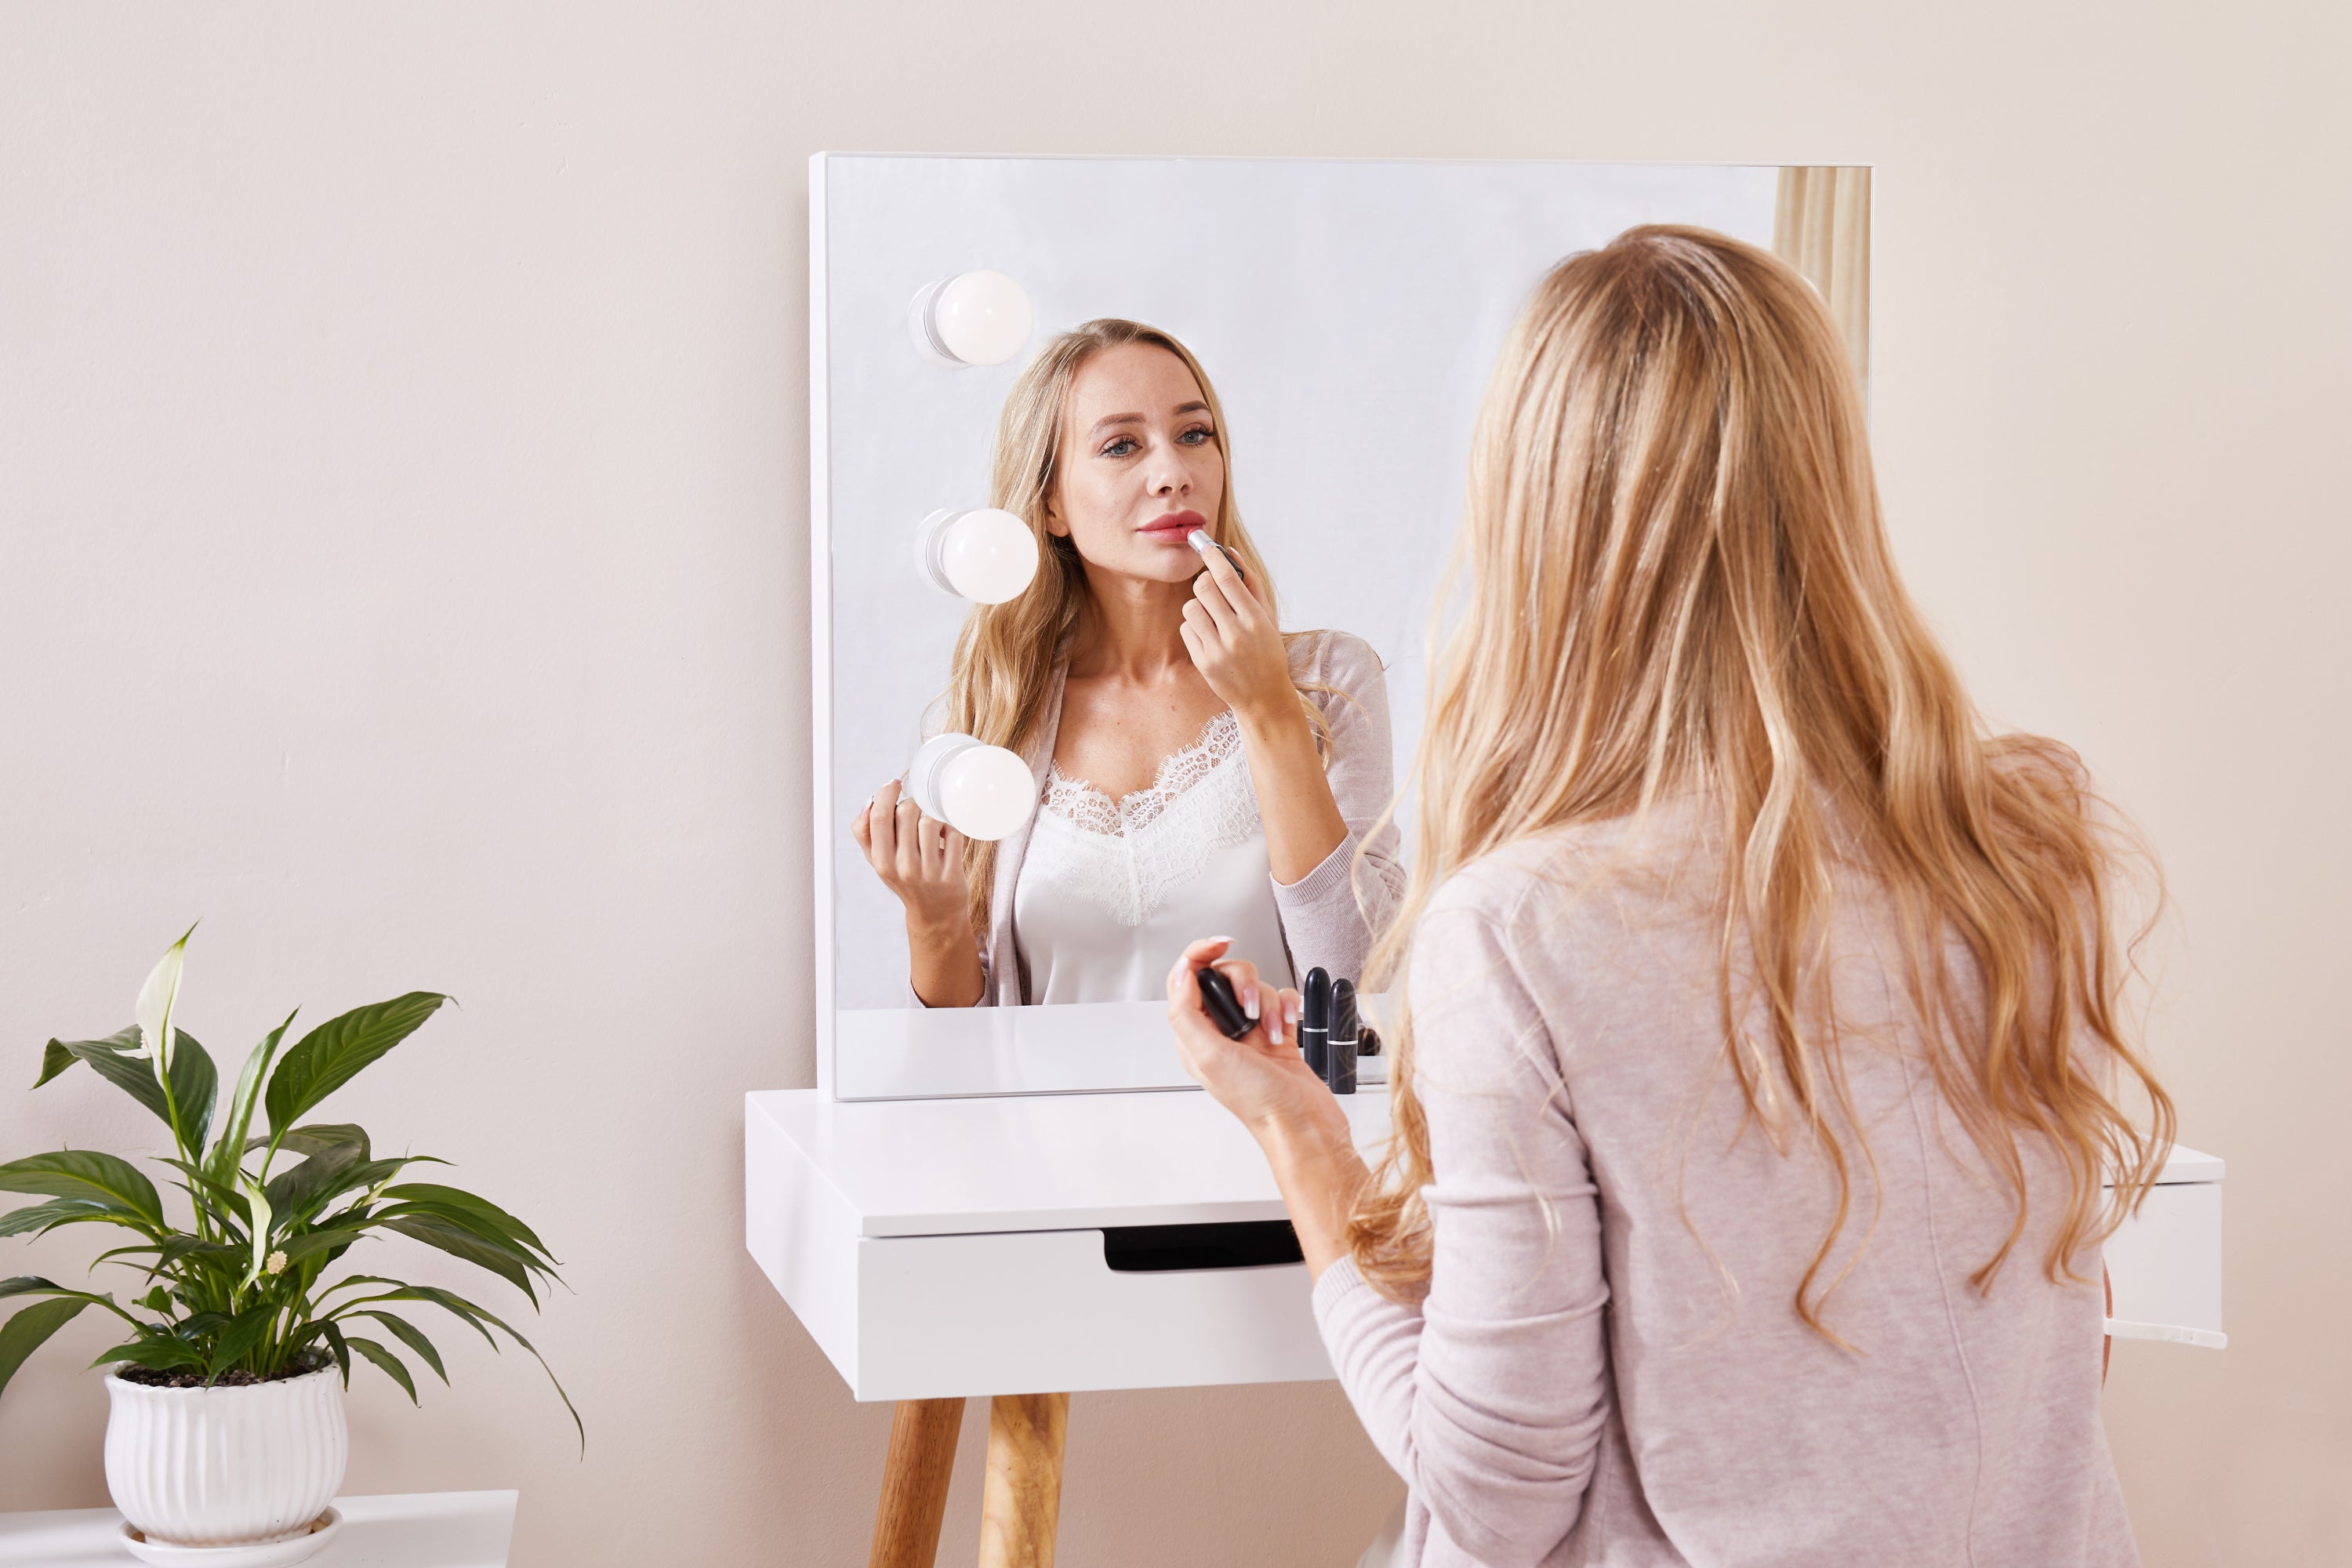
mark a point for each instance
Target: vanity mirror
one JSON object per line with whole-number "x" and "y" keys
{"x": 1341, "y": 318}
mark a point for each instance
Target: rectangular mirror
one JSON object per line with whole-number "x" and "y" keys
{"x": 1346, "y": 314}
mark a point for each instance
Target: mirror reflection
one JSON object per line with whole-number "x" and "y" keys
{"x": 1196, "y": 767}
{"x": 1134, "y": 481}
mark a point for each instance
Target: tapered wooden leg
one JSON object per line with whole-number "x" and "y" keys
{"x": 915, "y": 1483}
{"x": 1023, "y": 1504}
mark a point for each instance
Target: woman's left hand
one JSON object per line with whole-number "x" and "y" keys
{"x": 1261, "y": 1078}
{"x": 1235, "y": 642}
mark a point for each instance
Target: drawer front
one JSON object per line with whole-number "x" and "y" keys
{"x": 1042, "y": 1312}
{"x": 2166, "y": 1261}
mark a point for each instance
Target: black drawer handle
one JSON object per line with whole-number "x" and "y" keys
{"x": 1234, "y": 1243}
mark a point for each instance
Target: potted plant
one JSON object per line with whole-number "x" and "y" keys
{"x": 225, "y": 1428}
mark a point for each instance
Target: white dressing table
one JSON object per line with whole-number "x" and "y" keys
{"x": 941, "y": 1248}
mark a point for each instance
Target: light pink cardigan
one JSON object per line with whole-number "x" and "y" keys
{"x": 1609, "y": 1367}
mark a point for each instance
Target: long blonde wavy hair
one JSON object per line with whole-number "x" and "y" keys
{"x": 1678, "y": 579}
{"x": 1005, "y": 655}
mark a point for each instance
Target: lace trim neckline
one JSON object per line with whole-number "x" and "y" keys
{"x": 1090, "y": 807}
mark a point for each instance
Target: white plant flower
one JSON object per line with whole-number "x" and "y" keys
{"x": 277, "y": 1264}
{"x": 158, "y": 999}
{"x": 258, "y": 1204}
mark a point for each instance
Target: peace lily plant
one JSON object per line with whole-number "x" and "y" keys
{"x": 237, "y": 1294}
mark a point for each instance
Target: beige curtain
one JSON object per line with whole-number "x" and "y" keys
{"x": 1821, "y": 227}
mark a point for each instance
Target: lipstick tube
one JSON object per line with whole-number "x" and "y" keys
{"x": 1340, "y": 1070}
{"x": 1314, "y": 1021}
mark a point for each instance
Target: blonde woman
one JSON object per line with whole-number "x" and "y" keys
{"x": 1197, "y": 768}
{"x": 1761, "y": 1061}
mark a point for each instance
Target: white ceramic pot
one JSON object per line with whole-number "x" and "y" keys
{"x": 222, "y": 1467}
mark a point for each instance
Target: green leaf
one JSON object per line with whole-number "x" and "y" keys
{"x": 483, "y": 1252}
{"x": 222, "y": 1164}
{"x": 194, "y": 1082}
{"x": 27, "y": 1285}
{"x": 501, "y": 1223}
{"x": 459, "y": 1306}
{"x": 162, "y": 1353}
{"x": 40, "y": 1218}
{"x": 54, "y": 1058}
{"x": 341, "y": 1349}
{"x": 315, "y": 1138}
{"x": 26, "y": 1332}
{"x": 89, "y": 1176}
{"x": 413, "y": 1338}
{"x": 244, "y": 1331}
{"x": 332, "y": 1055}
{"x": 298, "y": 1247}
{"x": 180, "y": 1244}
{"x": 386, "y": 1360}
{"x": 301, "y": 1190}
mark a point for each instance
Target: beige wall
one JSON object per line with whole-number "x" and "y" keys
{"x": 402, "y": 496}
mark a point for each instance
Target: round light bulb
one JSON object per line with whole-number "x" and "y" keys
{"x": 973, "y": 318}
{"x": 987, "y": 556}
{"x": 982, "y": 791}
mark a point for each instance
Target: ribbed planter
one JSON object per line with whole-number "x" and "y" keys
{"x": 226, "y": 1467}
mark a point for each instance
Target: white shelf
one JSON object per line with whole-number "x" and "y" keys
{"x": 420, "y": 1530}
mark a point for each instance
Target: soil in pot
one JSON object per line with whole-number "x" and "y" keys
{"x": 156, "y": 1377}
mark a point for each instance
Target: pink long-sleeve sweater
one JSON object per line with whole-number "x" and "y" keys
{"x": 1608, "y": 1366}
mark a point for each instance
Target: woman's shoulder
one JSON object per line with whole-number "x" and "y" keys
{"x": 1560, "y": 878}
{"x": 1334, "y": 659}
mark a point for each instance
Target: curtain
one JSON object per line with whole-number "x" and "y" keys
{"x": 1821, "y": 226}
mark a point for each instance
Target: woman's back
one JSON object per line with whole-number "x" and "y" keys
{"x": 1609, "y": 1366}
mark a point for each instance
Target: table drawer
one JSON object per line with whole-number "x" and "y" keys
{"x": 1044, "y": 1310}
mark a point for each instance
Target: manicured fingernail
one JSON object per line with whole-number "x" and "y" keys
{"x": 1274, "y": 1027}
{"x": 1249, "y": 1004}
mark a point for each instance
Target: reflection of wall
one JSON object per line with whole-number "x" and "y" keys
{"x": 403, "y": 564}
{"x": 1822, "y": 224}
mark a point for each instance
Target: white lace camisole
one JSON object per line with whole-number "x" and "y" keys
{"x": 1110, "y": 891}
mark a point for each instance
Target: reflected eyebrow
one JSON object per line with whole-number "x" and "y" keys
{"x": 1107, "y": 420}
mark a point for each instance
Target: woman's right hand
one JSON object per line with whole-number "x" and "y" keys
{"x": 918, "y": 858}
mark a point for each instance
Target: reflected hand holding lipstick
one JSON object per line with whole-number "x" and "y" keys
{"x": 1200, "y": 540}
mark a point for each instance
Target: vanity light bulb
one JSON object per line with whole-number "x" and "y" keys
{"x": 982, "y": 791}
{"x": 987, "y": 556}
{"x": 973, "y": 318}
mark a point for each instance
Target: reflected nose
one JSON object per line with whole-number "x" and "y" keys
{"x": 1168, "y": 477}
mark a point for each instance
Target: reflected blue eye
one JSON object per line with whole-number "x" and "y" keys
{"x": 1199, "y": 435}
{"x": 1120, "y": 449}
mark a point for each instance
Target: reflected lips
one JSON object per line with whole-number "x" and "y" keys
{"x": 1174, "y": 527}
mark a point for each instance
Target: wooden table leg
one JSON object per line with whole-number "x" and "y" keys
{"x": 1021, "y": 1506}
{"x": 915, "y": 1483}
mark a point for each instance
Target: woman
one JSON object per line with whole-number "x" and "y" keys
{"x": 1760, "y": 1062}
{"x": 1197, "y": 768}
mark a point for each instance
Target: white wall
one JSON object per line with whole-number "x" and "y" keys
{"x": 401, "y": 566}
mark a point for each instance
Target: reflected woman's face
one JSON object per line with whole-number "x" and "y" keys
{"x": 1140, "y": 465}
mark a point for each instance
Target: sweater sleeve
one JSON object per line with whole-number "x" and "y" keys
{"x": 1489, "y": 1398}
{"x": 1322, "y": 921}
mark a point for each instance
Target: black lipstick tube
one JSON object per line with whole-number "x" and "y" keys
{"x": 1314, "y": 1021}
{"x": 1340, "y": 1072}
{"x": 1223, "y": 1008}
